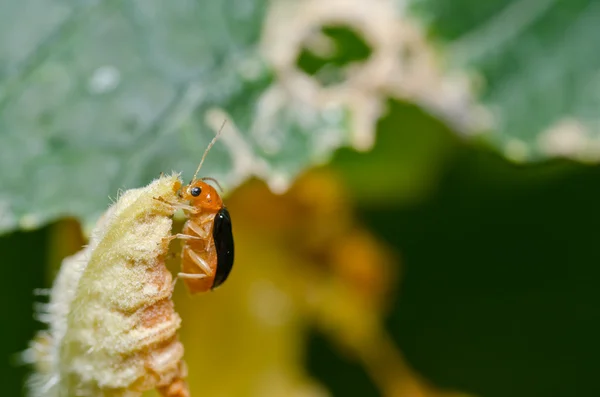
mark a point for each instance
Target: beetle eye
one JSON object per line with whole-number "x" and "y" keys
{"x": 195, "y": 191}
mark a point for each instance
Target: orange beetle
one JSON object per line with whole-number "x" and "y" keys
{"x": 208, "y": 250}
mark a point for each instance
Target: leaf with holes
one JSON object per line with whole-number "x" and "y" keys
{"x": 536, "y": 65}
{"x": 101, "y": 96}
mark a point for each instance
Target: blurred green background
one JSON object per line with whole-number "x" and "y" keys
{"x": 437, "y": 262}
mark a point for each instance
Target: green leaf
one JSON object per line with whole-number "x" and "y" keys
{"x": 106, "y": 95}
{"x": 101, "y": 96}
{"x": 536, "y": 66}
{"x": 97, "y": 96}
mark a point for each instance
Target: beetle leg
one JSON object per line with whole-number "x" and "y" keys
{"x": 189, "y": 210}
{"x": 162, "y": 200}
{"x": 198, "y": 229}
{"x": 184, "y": 207}
{"x": 200, "y": 262}
{"x": 191, "y": 276}
{"x": 185, "y": 237}
{"x": 188, "y": 276}
{"x": 180, "y": 236}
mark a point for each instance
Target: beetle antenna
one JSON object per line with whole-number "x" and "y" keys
{"x": 207, "y": 178}
{"x": 210, "y": 145}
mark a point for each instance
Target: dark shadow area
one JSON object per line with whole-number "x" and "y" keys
{"x": 24, "y": 257}
{"x": 338, "y": 372}
{"x": 500, "y": 293}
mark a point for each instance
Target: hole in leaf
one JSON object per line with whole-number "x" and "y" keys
{"x": 326, "y": 53}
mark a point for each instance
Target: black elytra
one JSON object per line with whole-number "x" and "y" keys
{"x": 223, "y": 238}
